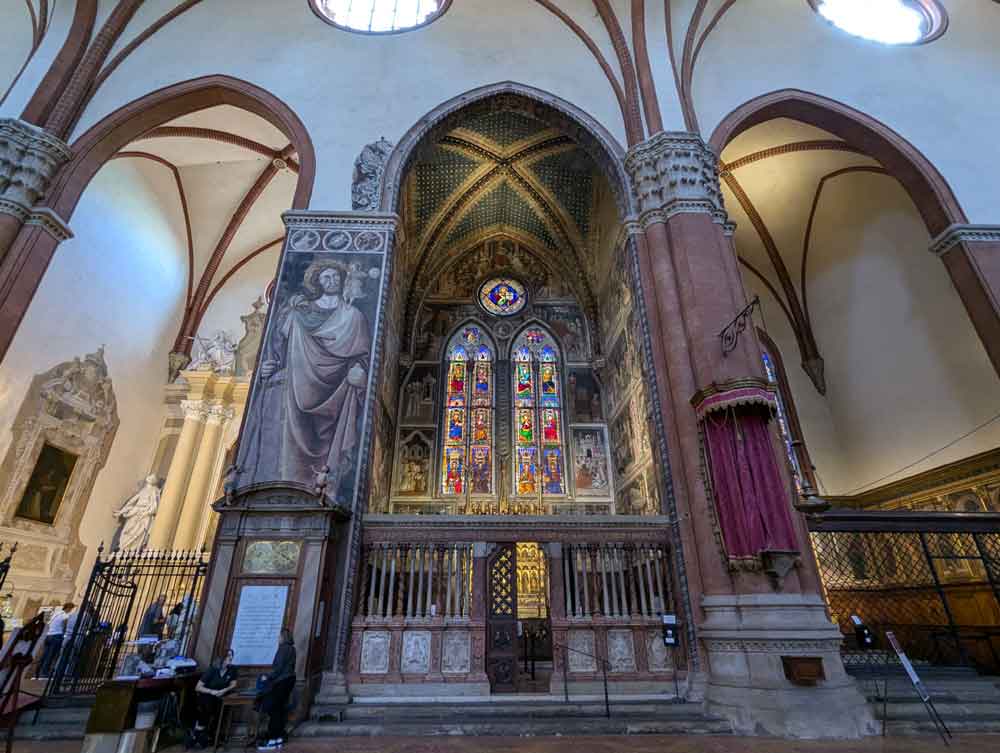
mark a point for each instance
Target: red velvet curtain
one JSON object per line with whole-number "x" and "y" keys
{"x": 751, "y": 500}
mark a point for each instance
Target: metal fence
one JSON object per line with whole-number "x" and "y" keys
{"x": 136, "y": 602}
{"x": 5, "y": 563}
{"x": 932, "y": 578}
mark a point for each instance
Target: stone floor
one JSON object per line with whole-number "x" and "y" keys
{"x": 635, "y": 744}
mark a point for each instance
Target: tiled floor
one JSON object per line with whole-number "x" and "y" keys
{"x": 635, "y": 744}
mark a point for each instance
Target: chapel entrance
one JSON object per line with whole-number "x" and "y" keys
{"x": 519, "y": 634}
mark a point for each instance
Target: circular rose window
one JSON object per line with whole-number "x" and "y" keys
{"x": 379, "y": 16}
{"x": 502, "y": 296}
{"x": 886, "y": 21}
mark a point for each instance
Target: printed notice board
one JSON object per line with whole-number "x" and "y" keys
{"x": 259, "y": 619}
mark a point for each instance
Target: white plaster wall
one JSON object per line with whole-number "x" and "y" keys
{"x": 350, "y": 89}
{"x": 118, "y": 283}
{"x": 944, "y": 97}
{"x": 15, "y": 41}
{"x": 906, "y": 374}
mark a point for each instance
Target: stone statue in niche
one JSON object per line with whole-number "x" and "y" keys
{"x": 217, "y": 353}
{"x": 249, "y": 344}
{"x": 308, "y": 401}
{"x": 366, "y": 187}
{"x": 419, "y": 404}
{"x": 135, "y": 516}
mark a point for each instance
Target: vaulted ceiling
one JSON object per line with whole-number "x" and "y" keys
{"x": 501, "y": 168}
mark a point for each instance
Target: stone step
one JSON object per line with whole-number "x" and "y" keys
{"x": 63, "y": 722}
{"x": 695, "y": 724}
{"x": 500, "y": 710}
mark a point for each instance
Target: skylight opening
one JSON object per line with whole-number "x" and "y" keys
{"x": 380, "y": 16}
{"x": 892, "y": 22}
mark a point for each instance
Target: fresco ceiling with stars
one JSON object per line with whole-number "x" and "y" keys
{"x": 501, "y": 171}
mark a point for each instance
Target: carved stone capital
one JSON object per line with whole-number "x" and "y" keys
{"x": 219, "y": 414}
{"x": 366, "y": 187}
{"x": 194, "y": 410}
{"x": 955, "y": 234}
{"x": 29, "y": 157}
{"x": 675, "y": 172}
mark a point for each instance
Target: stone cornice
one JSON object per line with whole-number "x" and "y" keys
{"x": 328, "y": 220}
{"x": 675, "y": 172}
{"x": 955, "y": 234}
{"x": 42, "y": 217}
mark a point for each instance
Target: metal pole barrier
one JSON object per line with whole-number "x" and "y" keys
{"x": 607, "y": 703}
{"x": 565, "y": 676}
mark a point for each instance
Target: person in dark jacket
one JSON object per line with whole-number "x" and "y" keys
{"x": 217, "y": 682}
{"x": 279, "y": 683}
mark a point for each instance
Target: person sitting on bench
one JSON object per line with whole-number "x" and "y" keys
{"x": 218, "y": 681}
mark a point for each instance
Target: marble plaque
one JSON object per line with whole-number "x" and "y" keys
{"x": 581, "y": 651}
{"x": 621, "y": 651}
{"x": 259, "y": 618}
{"x": 455, "y": 652}
{"x": 375, "y": 652}
{"x": 659, "y": 656}
{"x": 416, "y": 652}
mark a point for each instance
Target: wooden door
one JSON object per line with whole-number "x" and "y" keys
{"x": 501, "y": 619}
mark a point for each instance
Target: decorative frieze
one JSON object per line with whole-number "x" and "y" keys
{"x": 955, "y": 234}
{"x": 675, "y": 172}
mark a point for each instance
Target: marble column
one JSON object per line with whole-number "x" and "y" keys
{"x": 196, "y": 502}
{"x": 746, "y": 625}
{"x": 175, "y": 490}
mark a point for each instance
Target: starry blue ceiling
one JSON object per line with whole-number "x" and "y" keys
{"x": 501, "y": 140}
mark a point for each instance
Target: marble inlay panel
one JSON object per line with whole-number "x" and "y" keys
{"x": 416, "y": 652}
{"x": 621, "y": 651}
{"x": 659, "y": 656}
{"x": 581, "y": 651}
{"x": 455, "y": 653}
{"x": 375, "y": 652}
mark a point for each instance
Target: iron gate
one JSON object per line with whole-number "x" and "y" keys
{"x": 151, "y": 595}
{"x": 932, "y": 578}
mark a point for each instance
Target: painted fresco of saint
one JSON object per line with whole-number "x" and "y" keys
{"x": 313, "y": 374}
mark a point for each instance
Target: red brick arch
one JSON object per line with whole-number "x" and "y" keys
{"x": 23, "y": 266}
{"x": 929, "y": 191}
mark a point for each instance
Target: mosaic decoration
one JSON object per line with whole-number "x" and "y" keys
{"x": 502, "y": 296}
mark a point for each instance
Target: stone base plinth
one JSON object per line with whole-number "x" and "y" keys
{"x": 746, "y": 636}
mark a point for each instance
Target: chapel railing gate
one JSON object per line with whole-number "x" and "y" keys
{"x": 113, "y": 616}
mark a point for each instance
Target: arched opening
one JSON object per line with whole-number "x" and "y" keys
{"x": 834, "y": 215}
{"x": 176, "y": 203}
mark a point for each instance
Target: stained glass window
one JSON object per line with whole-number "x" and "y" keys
{"x": 467, "y": 453}
{"x": 502, "y": 296}
{"x": 539, "y": 468}
{"x": 786, "y": 432}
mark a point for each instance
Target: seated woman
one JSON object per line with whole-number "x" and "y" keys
{"x": 218, "y": 681}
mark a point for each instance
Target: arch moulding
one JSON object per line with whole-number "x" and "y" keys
{"x": 554, "y": 111}
{"x": 927, "y": 188}
{"x": 22, "y": 268}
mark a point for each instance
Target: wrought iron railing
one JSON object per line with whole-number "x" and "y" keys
{"x": 5, "y": 562}
{"x": 931, "y": 578}
{"x": 136, "y": 602}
